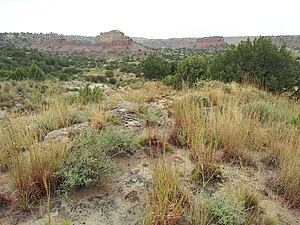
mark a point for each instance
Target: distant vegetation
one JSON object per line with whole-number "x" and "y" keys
{"x": 259, "y": 62}
{"x": 22, "y": 63}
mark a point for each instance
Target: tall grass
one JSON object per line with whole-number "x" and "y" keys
{"x": 19, "y": 132}
{"x": 30, "y": 170}
{"x": 167, "y": 201}
{"x": 230, "y": 124}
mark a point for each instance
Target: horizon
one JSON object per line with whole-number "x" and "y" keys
{"x": 238, "y": 36}
{"x": 152, "y": 20}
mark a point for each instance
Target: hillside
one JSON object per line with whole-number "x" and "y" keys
{"x": 116, "y": 44}
{"x": 144, "y": 148}
{"x": 193, "y": 43}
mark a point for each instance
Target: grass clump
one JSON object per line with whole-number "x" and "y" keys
{"x": 250, "y": 199}
{"x": 268, "y": 220}
{"x": 115, "y": 142}
{"x": 113, "y": 118}
{"x": 206, "y": 173}
{"x": 29, "y": 171}
{"x": 167, "y": 201}
{"x": 263, "y": 112}
{"x": 99, "y": 119}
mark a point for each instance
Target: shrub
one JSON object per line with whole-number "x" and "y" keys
{"x": 87, "y": 95}
{"x": 169, "y": 80}
{"x": 112, "y": 80}
{"x": 85, "y": 164}
{"x": 109, "y": 73}
{"x": 95, "y": 79}
{"x": 89, "y": 160}
{"x": 270, "y": 67}
{"x": 155, "y": 67}
{"x": 224, "y": 212}
{"x": 190, "y": 69}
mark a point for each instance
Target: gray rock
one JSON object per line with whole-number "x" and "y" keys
{"x": 67, "y": 132}
{"x": 3, "y": 114}
{"x": 99, "y": 85}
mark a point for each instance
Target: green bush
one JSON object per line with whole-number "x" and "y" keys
{"x": 89, "y": 160}
{"x": 155, "y": 67}
{"x": 190, "y": 69}
{"x": 224, "y": 212}
{"x": 259, "y": 62}
{"x": 95, "y": 78}
{"x": 86, "y": 164}
{"x": 87, "y": 95}
{"x": 109, "y": 73}
{"x": 169, "y": 80}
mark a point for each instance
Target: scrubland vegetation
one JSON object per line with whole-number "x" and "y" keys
{"x": 53, "y": 143}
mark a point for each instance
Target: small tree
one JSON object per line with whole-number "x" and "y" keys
{"x": 155, "y": 67}
{"x": 36, "y": 73}
{"x": 19, "y": 74}
{"x": 190, "y": 69}
{"x": 266, "y": 65}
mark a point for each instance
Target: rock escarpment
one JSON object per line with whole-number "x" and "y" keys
{"x": 209, "y": 42}
{"x": 107, "y": 45}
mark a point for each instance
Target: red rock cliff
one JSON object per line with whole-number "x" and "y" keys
{"x": 208, "y": 42}
{"x": 113, "y": 38}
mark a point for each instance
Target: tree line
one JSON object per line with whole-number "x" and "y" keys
{"x": 257, "y": 62}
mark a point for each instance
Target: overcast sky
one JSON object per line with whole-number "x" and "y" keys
{"x": 152, "y": 18}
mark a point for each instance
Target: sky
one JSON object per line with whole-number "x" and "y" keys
{"x": 152, "y": 18}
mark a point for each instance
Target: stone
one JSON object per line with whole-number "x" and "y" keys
{"x": 132, "y": 196}
{"x": 66, "y": 133}
{"x": 99, "y": 85}
{"x": 3, "y": 114}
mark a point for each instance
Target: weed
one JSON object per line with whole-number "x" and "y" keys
{"x": 250, "y": 199}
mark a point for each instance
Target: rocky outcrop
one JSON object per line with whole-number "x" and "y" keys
{"x": 210, "y": 42}
{"x": 110, "y": 44}
{"x": 167, "y": 43}
{"x": 113, "y": 38}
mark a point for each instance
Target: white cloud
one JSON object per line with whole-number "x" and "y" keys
{"x": 152, "y": 19}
